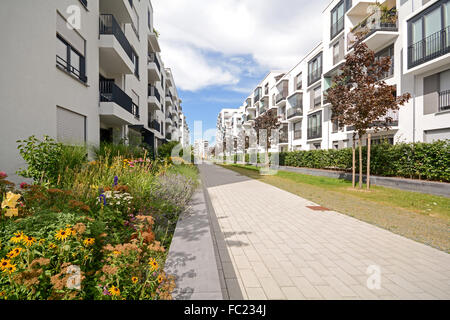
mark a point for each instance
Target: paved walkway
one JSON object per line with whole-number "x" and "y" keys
{"x": 271, "y": 246}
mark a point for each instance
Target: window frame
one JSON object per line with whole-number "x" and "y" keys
{"x": 67, "y": 66}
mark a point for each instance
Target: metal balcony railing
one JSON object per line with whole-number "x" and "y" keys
{"x": 444, "y": 100}
{"x": 294, "y": 112}
{"x": 84, "y": 2}
{"x": 370, "y": 25}
{"x": 430, "y": 48}
{"x": 153, "y": 92}
{"x": 337, "y": 27}
{"x": 155, "y": 125}
{"x": 110, "y": 92}
{"x": 297, "y": 135}
{"x": 153, "y": 58}
{"x": 109, "y": 25}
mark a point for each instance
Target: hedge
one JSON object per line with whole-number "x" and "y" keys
{"x": 427, "y": 161}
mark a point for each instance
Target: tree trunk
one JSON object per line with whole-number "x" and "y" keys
{"x": 353, "y": 165}
{"x": 360, "y": 163}
{"x": 368, "y": 160}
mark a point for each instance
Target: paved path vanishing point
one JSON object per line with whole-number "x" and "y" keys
{"x": 271, "y": 246}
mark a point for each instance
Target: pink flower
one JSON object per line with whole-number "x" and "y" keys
{"x": 3, "y": 175}
{"x": 23, "y": 185}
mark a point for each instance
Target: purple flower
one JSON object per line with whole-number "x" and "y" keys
{"x": 102, "y": 198}
{"x": 116, "y": 180}
{"x": 105, "y": 291}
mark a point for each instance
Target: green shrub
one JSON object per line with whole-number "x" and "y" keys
{"x": 165, "y": 151}
{"x": 430, "y": 161}
{"x": 42, "y": 158}
{"x": 108, "y": 150}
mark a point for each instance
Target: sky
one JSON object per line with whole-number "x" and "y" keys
{"x": 219, "y": 50}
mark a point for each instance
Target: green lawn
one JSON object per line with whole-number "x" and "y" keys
{"x": 422, "y": 217}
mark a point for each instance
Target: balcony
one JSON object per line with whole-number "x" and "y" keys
{"x": 294, "y": 113}
{"x": 284, "y": 135}
{"x": 376, "y": 32}
{"x": 153, "y": 40}
{"x": 444, "y": 100}
{"x": 430, "y": 48}
{"x": 154, "y": 98}
{"x": 297, "y": 135}
{"x": 317, "y": 102}
{"x": 169, "y": 99}
{"x": 168, "y": 136}
{"x": 121, "y": 9}
{"x": 154, "y": 125}
{"x": 116, "y": 53}
{"x": 280, "y": 99}
{"x": 154, "y": 68}
{"x": 116, "y": 107}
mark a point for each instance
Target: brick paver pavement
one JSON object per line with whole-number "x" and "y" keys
{"x": 271, "y": 246}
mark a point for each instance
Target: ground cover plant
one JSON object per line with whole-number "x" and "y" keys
{"x": 90, "y": 230}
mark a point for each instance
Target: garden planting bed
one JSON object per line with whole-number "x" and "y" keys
{"x": 95, "y": 230}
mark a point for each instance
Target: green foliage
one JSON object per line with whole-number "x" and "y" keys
{"x": 42, "y": 158}
{"x": 108, "y": 150}
{"x": 165, "y": 151}
{"x": 430, "y": 161}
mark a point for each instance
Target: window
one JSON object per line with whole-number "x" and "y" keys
{"x": 297, "y": 130}
{"x": 70, "y": 126}
{"x": 428, "y": 34}
{"x": 316, "y": 97}
{"x": 149, "y": 20}
{"x": 266, "y": 89}
{"x": 135, "y": 59}
{"x": 315, "y": 125}
{"x": 315, "y": 69}
{"x": 70, "y": 50}
{"x": 387, "y": 52}
{"x": 337, "y": 19}
{"x": 298, "y": 82}
{"x": 70, "y": 60}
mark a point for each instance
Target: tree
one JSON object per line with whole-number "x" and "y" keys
{"x": 361, "y": 99}
{"x": 267, "y": 122}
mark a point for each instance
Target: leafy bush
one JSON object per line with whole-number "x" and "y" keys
{"x": 42, "y": 158}
{"x": 165, "y": 151}
{"x": 430, "y": 161}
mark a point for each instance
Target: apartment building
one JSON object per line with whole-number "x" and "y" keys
{"x": 415, "y": 34}
{"x": 83, "y": 71}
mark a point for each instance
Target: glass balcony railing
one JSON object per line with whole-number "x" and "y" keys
{"x": 372, "y": 24}
{"x": 294, "y": 112}
{"x": 153, "y": 92}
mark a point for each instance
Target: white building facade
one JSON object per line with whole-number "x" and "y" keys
{"x": 83, "y": 71}
{"x": 415, "y": 34}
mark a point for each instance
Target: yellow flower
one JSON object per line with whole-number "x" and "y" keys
{"x": 134, "y": 280}
{"x": 2, "y": 294}
{"x": 10, "y": 200}
{"x": 117, "y": 253}
{"x": 41, "y": 241}
{"x": 14, "y": 253}
{"x": 28, "y": 241}
{"x": 4, "y": 263}
{"x": 10, "y": 268}
{"x": 114, "y": 291}
{"x": 52, "y": 246}
{"x": 153, "y": 264}
{"x": 17, "y": 237}
{"x": 89, "y": 242}
{"x": 160, "y": 278}
{"x": 62, "y": 235}
{"x": 70, "y": 231}
{"x": 14, "y": 212}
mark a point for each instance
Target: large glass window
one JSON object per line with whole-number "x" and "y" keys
{"x": 315, "y": 125}
{"x": 337, "y": 19}
{"x": 429, "y": 34}
{"x": 315, "y": 69}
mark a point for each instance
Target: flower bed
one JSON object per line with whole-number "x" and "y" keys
{"x": 101, "y": 233}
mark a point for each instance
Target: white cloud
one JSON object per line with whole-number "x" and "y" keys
{"x": 275, "y": 33}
